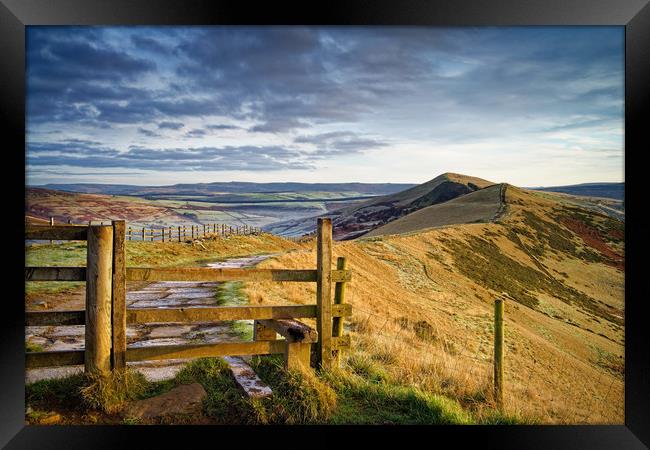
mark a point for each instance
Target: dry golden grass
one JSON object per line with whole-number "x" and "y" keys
{"x": 429, "y": 324}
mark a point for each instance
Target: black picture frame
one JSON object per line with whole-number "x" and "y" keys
{"x": 634, "y": 15}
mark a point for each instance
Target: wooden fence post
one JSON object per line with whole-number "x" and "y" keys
{"x": 498, "y": 352}
{"x": 118, "y": 355}
{"x": 324, "y": 292}
{"x": 339, "y": 297}
{"x": 99, "y": 264}
{"x": 51, "y": 224}
{"x": 143, "y": 238}
{"x": 152, "y": 234}
{"x": 163, "y": 234}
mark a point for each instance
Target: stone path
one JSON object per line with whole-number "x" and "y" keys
{"x": 162, "y": 294}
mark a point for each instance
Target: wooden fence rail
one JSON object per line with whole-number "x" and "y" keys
{"x": 106, "y": 316}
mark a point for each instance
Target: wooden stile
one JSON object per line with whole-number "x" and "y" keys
{"x": 324, "y": 292}
{"x": 99, "y": 263}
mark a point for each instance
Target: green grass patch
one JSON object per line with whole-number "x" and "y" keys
{"x": 31, "y": 347}
{"x": 65, "y": 254}
{"x": 56, "y": 393}
{"x": 363, "y": 401}
{"x": 230, "y": 293}
{"x": 298, "y": 397}
{"x": 52, "y": 287}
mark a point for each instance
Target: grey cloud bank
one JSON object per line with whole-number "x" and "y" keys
{"x": 405, "y": 103}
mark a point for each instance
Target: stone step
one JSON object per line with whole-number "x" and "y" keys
{"x": 247, "y": 379}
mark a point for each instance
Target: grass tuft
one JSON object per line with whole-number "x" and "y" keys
{"x": 110, "y": 393}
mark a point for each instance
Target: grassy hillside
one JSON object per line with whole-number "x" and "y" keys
{"x": 478, "y": 206}
{"x": 423, "y": 307}
{"x": 423, "y": 311}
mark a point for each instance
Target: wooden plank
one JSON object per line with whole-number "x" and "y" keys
{"x": 209, "y": 274}
{"x": 157, "y": 352}
{"x": 224, "y": 313}
{"x": 324, "y": 292}
{"x": 57, "y": 232}
{"x": 247, "y": 379}
{"x": 54, "y": 359}
{"x": 99, "y": 264}
{"x": 292, "y": 330}
{"x": 55, "y": 274}
{"x": 118, "y": 307}
{"x": 48, "y": 318}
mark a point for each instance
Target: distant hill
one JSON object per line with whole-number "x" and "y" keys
{"x": 356, "y": 220}
{"x": 478, "y": 206}
{"x": 41, "y": 204}
{"x": 234, "y": 187}
{"x": 605, "y": 190}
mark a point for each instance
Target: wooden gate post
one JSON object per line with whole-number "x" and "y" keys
{"x": 498, "y": 352}
{"x": 324, "y": 292}
{"x": 339, "y": 297}
{"x": 99, "y": 274}
{"x": 118, "y": 355}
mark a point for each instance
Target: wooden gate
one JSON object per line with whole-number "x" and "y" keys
{"x": 106, "y": 316}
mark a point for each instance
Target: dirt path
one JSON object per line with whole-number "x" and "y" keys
{"x": 162, "y": 294}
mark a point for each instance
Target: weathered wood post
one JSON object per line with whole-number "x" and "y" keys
{"x": 51, "y": 224}
{"x": 262, "y": 333}
{"x": 163, "y": 234}
{"x": 339, "y": 297}
{"x": 498, "y": 352}
{"x": 152, "y": 234}
{"x": 143, "y": 231}
{"x": 192, "y": 232}
{"x": 129, "y": 233}
{"x": 99, "y": 273}
{"x": 324, "y": 292}
{"x": 118, "y": 308}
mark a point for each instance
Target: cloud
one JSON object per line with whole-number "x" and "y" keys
{"x": 89, "y": 155}
{"x": 340, "y": 142}
{"x": 195, "y": 133}
{"x": 148, "y": 133}
{"x": 170, "y": 125}
{"x": 222, "y": 127}
{"x": 423, "y": 85}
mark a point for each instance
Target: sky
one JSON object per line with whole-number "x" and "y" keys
{"x": 531, "y": 106}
